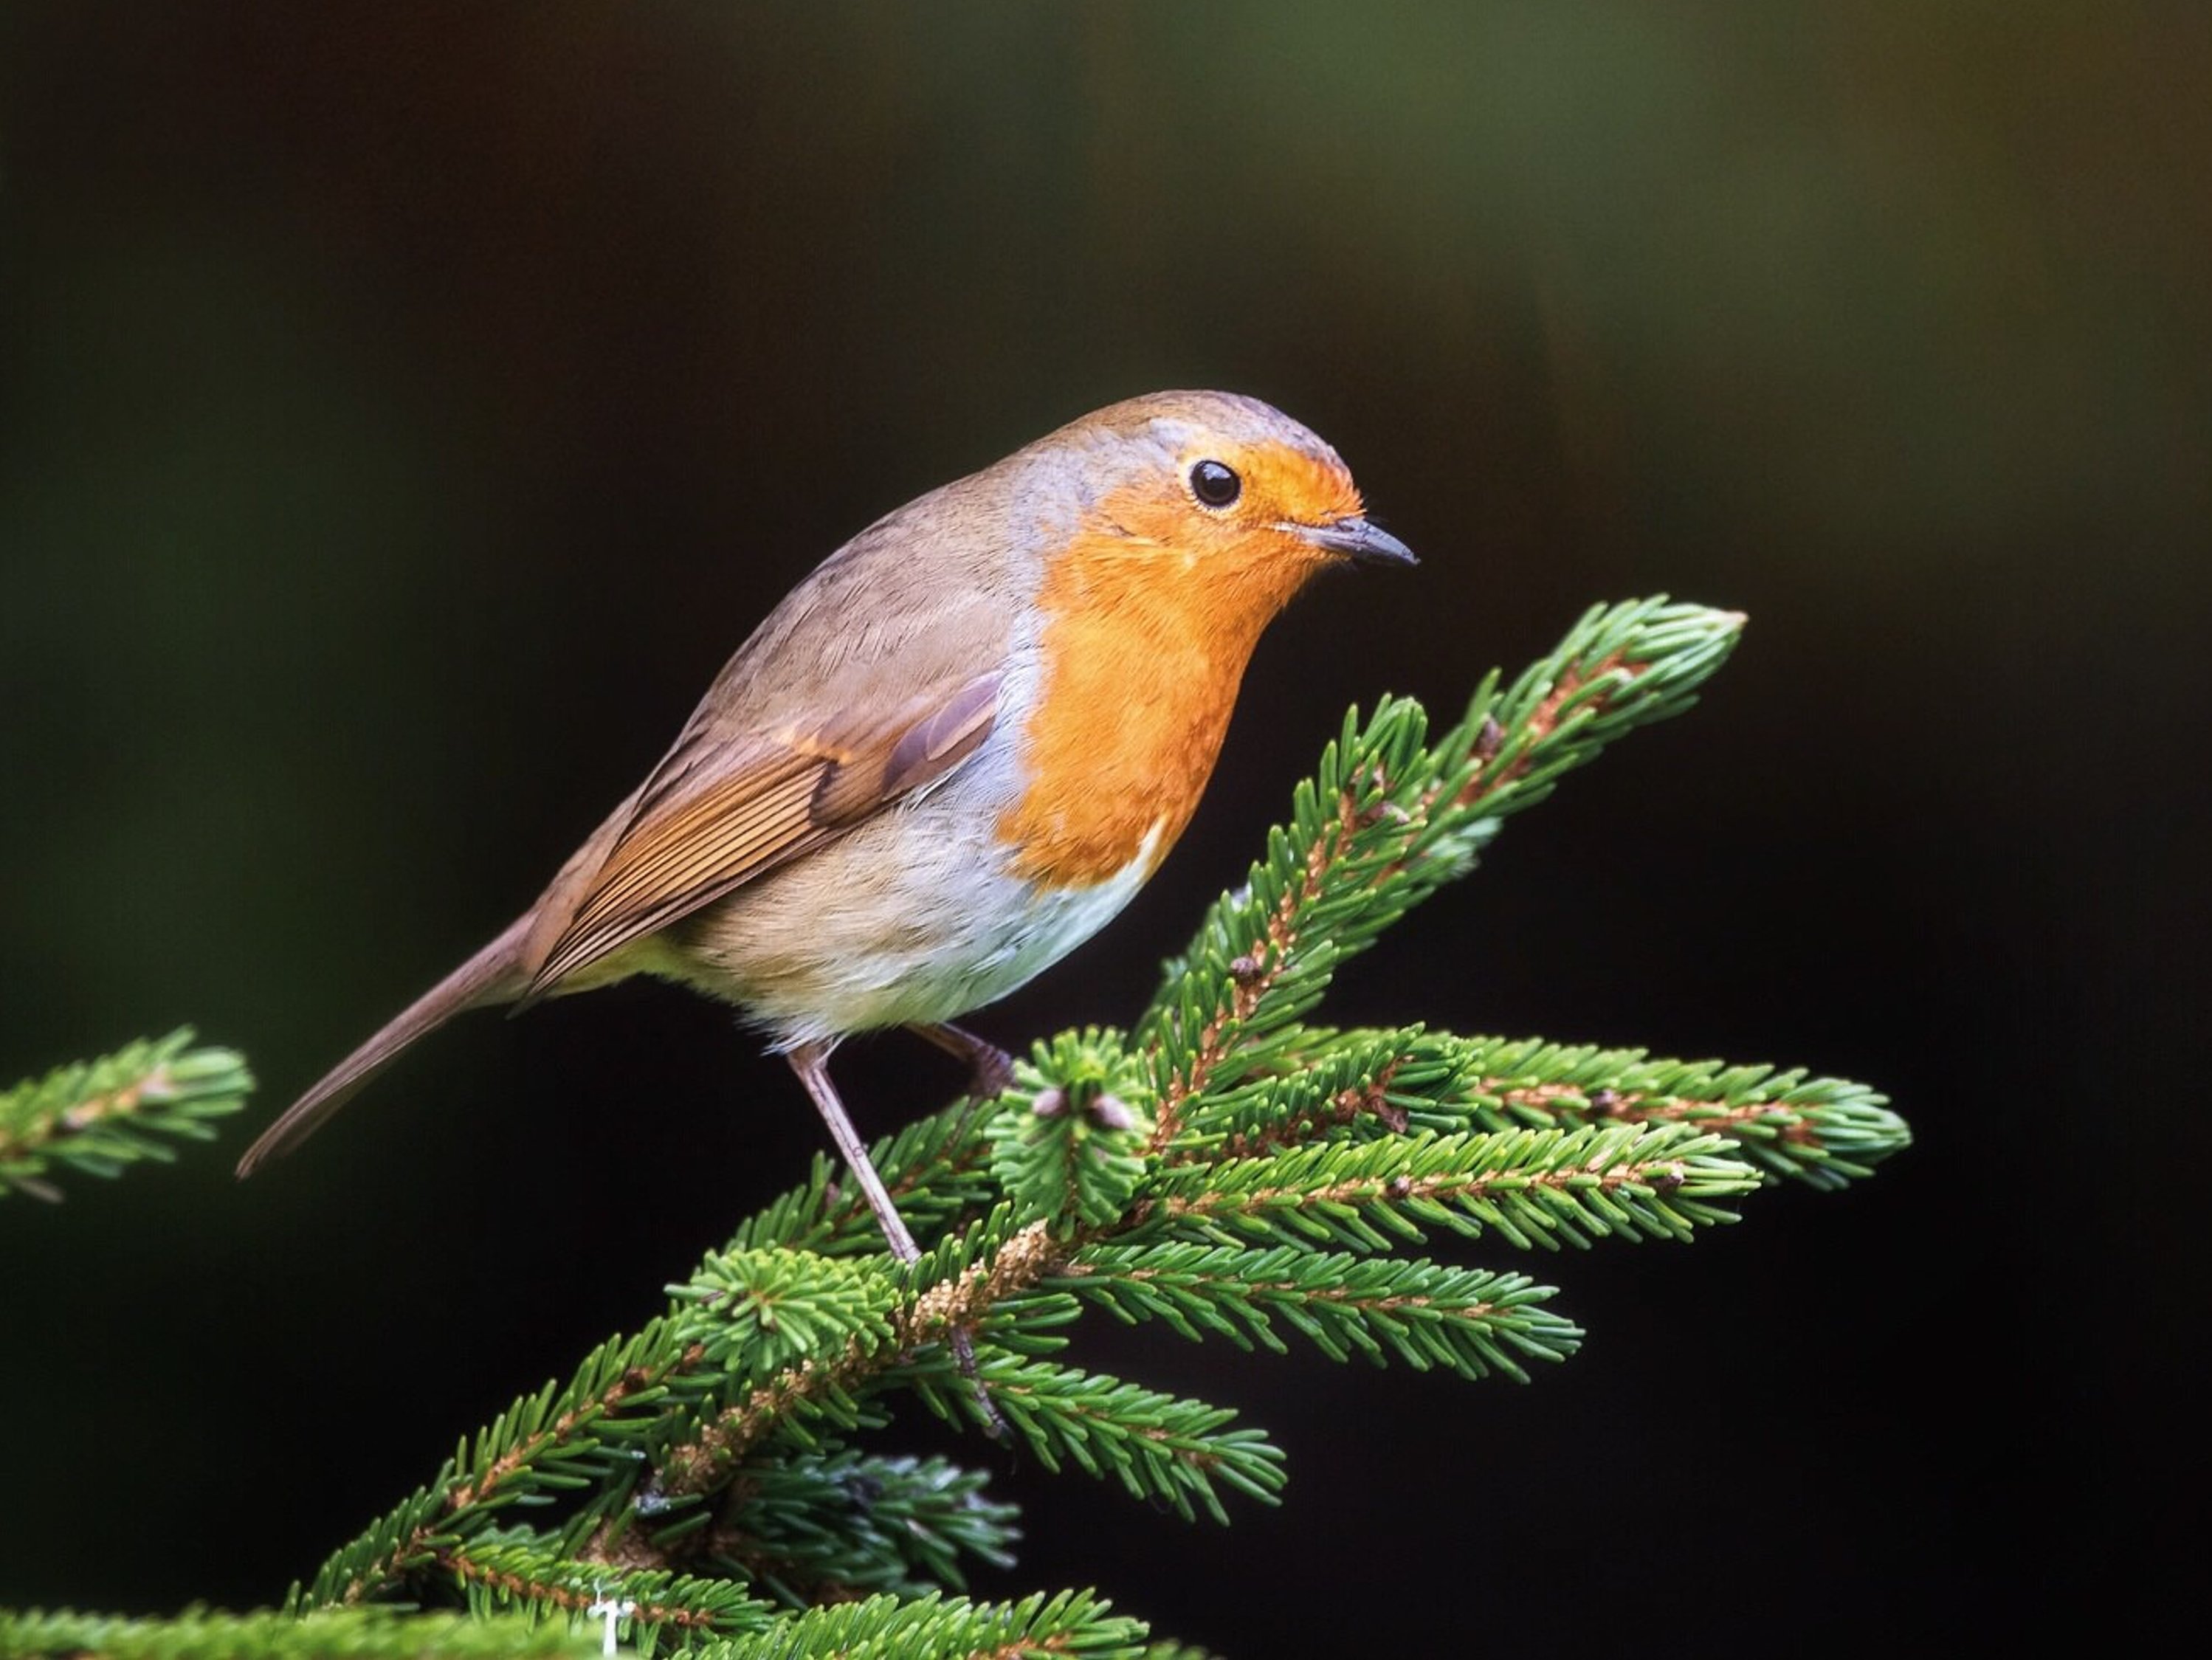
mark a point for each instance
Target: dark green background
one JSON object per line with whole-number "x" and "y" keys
{"x": 405, "y": 410}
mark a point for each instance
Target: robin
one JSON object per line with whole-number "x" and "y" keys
{"x": 950, "y": 755}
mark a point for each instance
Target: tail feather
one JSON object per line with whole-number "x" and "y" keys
{"x": 495, "y": 975}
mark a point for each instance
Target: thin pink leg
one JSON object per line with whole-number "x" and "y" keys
{"x": 811, "y": 1063}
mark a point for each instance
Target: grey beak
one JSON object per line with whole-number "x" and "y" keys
{"x": 1356, "y": 539}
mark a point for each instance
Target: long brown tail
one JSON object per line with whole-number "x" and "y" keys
{"x": 495, "y": 975}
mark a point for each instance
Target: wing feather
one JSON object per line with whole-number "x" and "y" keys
{"x": 718, "y": 814}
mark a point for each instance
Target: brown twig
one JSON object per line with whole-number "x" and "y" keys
{"x": 1253, "y": 974}
{"x": 1339, "y": 1110}
{"x": 1543, "y": 720}
{"x": 1574, "y": 1104}
{"x": 703, "y": 1463}
{"x": 575, "y": 1600}
{"x": 462, "y": 1496}
{"x": 1665, "y": 1174}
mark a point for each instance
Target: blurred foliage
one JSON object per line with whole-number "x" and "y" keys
{"x": 98, "y": 1117}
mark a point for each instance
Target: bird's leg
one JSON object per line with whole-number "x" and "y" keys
{"x": 811, "y": 1063}
{"x": 990, "y": 1068}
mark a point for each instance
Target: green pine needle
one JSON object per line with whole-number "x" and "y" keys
{"x": 772, "y": 1308}
{"x": 98, "y": 1117}
{"x": 1077, "y": 1624}
{"x": 1357, "y": 1086}
{"x": 936, "y": 1169}
{"x": 519, "y": 1573}
{"x": 345, "y": 1634}
{"x": 1071, "y": 1145}
{"x": 1530, "y": 1188}
{"x": 1160, "y": 1447}
{"x": 1469, "y": 1321}
{"x": 1822, "y": 1131}
{"x": 841, "y": 1521}
{"x": 1826, "y": 1132}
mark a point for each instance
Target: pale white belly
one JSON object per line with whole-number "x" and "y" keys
{"x": 911, "y": 917}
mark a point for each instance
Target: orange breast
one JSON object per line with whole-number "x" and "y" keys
{"x": 1145, "y": 642}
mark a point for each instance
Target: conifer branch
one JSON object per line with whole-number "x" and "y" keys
{"x": 955, "y": 1286}
{"x": 1469, "y": 1321}
{"x": 346, "y": 1634}
{"x": 1070, "y": 1145}
{"x": 545, "y": 1445}
{"x": 1158, "y": 1446}
{"x": 1361, "y": 1084}
{"x": 1270, "y": 1140}
{"x": 1388, "y": 819}
{"x": 1823, "y": 1131}
{"x": 706, "y": 1459}
{"x": 1532, "y": 1187}
{"x": 828, "y": 1526}
{"x": 97, "y": 1116}
{"x": 526, "y": 1574}
{"x": 1079, "y": 1625}
{"x": 1225, "y": 1168}
{"x": 776, "y": 1308}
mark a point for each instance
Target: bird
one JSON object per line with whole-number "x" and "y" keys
{"x": 950, "y": 755}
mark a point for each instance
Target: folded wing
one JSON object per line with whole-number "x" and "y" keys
{"x": 720, "y": 811}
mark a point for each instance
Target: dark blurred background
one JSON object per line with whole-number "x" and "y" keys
{"x": 404, "y": 411}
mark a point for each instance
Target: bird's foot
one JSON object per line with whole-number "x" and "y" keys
{"x": 963, "y": 1352}
{"x": 990, "y": 1068}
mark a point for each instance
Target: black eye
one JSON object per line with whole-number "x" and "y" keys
{"x": 1214, "y": 484}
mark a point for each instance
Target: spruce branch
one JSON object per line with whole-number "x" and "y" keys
{"x": 1160, "y": 1447}
{"x": 1469, "y": 1321}
{"x": 1069, "y": 1146}
{"x": 956, "y": 1284}
{"x": 1826, "y": 1132}
{"x": 936, "y": 1169}
{"x": 1361, "y": 1085}
{"x": 1531, "y": 1188}
{"x": 347, "y": 1634}
{"x": 1388, "y": 817}
{"x": 1280, "y": 1167}
{"x": 1225, "y": 1168}
{"x": 527, "y": 1574}
{"x": 561, "y": 1439}
{"x": 98, "y": 1117}
{"x": 1076, "y": 1625}
{"x": 774, "y": 1308}
{"x": 827, "y": 1526}
{"x": 752, "y": 1326}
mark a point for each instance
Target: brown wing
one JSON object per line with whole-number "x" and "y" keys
{"x": 715, "y": 815}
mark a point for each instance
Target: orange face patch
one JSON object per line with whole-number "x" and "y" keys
{"x": 1150, "y": 616}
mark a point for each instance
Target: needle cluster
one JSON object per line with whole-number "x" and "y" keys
{"x": 95, "y": 1117}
